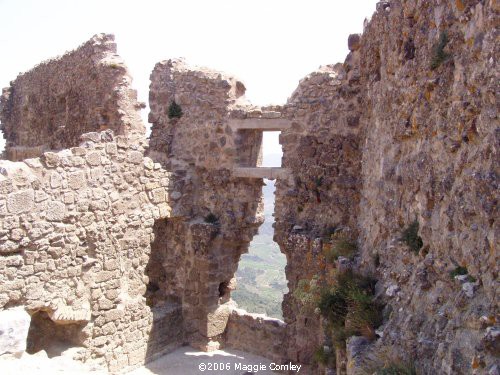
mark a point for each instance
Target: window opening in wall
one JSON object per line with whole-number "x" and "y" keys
{"x": 261, "y": 273}
{"x": 272, "y": 152}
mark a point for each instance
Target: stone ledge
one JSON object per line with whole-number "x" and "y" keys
{"x": 271, "y": 173}
{"x": 264, "y": 124}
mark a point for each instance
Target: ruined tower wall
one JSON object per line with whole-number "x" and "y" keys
{"x": 215, "y": 214}
{"x": 76, "y": 228}
{"x": 50, "y": 106}
{"x": 400, "y": 132}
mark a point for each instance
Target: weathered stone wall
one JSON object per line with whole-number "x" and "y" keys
{"x": 431, "y": 154}
{"x": 75, "y": 234}
{"x": 139, "y": 257}
{"x": 50, "y": 106}
{"x": 214, "y": 215}
{"x": 396, "y": 134}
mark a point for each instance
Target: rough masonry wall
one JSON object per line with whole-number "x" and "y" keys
{"x": 322, "y": 151}
{"x": 50, "y": 106}
{"x": 75, "y": 234}
{"x": 214, "y": 215}
{"x": 400, "y": 132}
{"x": 431, "y": 154}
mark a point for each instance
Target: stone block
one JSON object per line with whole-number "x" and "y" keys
{"x": 217, "y": 320}
{"x": 93, "y": 158}
{"x": 56, "y": 211}
{"x": 14, "y": 326}
{"x": 76, "y": 180}
{"x": 20, "y": 201}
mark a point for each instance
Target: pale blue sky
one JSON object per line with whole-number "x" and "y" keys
{"x": 268, "y": 44}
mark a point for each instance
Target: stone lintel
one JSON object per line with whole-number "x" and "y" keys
{"x": 270, "y": 173}
{"x": 264, "y": 124}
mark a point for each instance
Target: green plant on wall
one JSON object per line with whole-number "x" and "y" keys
{"x": 211, "y": 219}
{"x": 308, "y": 292}
{"x": 350, "y": 308}
{"x": 411, "y": 238}
{"x": 439, "y": 55}
{"x": 174, "y": 110}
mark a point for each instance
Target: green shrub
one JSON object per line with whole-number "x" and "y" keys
{"x": 333, "y": 306}
{"x": 462, "y": 271}
{"x": 211, "y": 219}
{"x": 411, "y": 238}
{"x": 458, "y": 271}
{"x": 174, "y": 110}
{"x": 439, "y": 56}
{"x": 350, "y": 308}
{"x": 318, "y": 181}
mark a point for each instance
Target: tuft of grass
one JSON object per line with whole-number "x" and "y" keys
{"x": 439, "y": 55}
{"x": 325, "y": 358}
{"x": 396, "y": 369}
{"x": 341, "y": 247}
{"x": 211, "y": 219}
{"x": 174, "y": 110}
{"x": 411, "y": 238}
{"x": 384, "y": 362}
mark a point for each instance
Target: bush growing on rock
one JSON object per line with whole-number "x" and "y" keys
{"x": 439, "y": 56}
{"x": 411, "y": 238}
{"x": 211, "y": 219}
{"x": 350, "y": 308}
{"x": 174, "y": 110}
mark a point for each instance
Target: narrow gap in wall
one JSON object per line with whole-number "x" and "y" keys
{"x": 261, "y": 273}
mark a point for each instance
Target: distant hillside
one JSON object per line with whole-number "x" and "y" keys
{"x": 261, "y": 272}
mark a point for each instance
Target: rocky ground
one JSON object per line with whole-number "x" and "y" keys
{"x": 183, "y": 361}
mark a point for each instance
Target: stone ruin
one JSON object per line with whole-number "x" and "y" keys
{"x": 127, "y": 247}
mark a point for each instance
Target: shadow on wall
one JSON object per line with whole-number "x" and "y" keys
{"x": 167, "y": 331}
{"x": 54, "y": 338}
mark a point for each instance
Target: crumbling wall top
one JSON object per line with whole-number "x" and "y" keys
{"x": 50, "y": 106}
